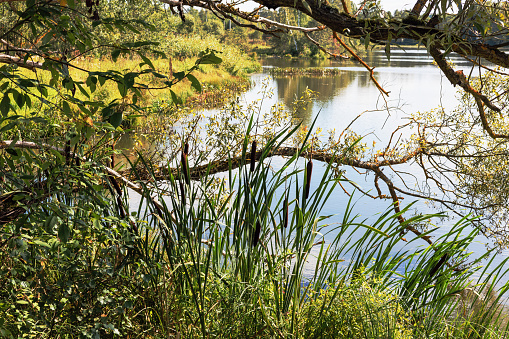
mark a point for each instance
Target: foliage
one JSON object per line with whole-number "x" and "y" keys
{"x": 197, "y": 256}
{"x": 478, "y": 161}
{"x": 234, "y": 267}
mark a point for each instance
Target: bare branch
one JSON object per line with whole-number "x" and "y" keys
{"x": 371, "y": 70}
{"x": 335, "y": 56}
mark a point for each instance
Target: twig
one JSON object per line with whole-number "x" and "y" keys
{"x": 371, "y": 70}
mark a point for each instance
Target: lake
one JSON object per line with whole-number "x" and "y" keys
{"x": 415, "y": 84}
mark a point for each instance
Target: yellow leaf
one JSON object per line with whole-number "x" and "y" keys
{"x": 89, "y": 121}
{"x": 63, "y": 3}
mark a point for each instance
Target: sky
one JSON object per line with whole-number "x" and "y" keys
{"x": 391, "y": 5}
{"x": 388, "y": 5}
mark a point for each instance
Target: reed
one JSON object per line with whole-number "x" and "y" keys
{"x": 236, "y": 265}
{"x": 311, "y": 71}
{"x": 232, "y": 259}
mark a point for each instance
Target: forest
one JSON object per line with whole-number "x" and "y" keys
{"x": 217, "y": 226}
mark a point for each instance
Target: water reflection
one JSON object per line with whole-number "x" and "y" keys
{"x": 411, "y": 78}
{"x": 415, "y": 84}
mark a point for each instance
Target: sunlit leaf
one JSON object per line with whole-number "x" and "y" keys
{"x": 194, "y": 82}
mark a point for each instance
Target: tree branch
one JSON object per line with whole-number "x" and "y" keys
{"x": 353, "y": 27}
{"x": 335, "y": 56}
{"x": 9, "y": 59}
{"x": 371, "y": 70}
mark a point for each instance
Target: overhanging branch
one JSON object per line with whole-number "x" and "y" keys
{"x": 9, "y": 59}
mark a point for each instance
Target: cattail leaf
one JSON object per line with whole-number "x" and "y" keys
{"x": 285, "y": 212}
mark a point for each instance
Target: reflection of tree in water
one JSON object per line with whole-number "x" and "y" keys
{"x": 290, "y": 88}
{"x": 130, "y": 144}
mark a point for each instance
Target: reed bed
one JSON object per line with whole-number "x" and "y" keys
{"x": 228, "y": 259}
{"x": 313, "y": 71}
{"x": 235, "y": 266}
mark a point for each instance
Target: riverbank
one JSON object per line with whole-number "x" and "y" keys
{"x": 219, "y": 83}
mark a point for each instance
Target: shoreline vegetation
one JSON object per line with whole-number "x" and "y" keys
{"x": 157, "y": 107}
{"x": 200, "y": 255}
{"x": 314, "y": 71}
{"x": 227, "y": 260}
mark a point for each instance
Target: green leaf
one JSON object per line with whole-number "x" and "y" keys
{"x": 47, "y": 38}
{"x": 146, "y": 60}
{"x": 107, "y": 112}
{"x": 5, "y": 105}
{"x": 209, "y": 59}
{"x": 7, "y": 127}
{"x": 122, "y": 89}
{"x": 115, "y": 54}
{"x": 28, "y": 101}
{"x": 129, "y": 79}
{"x": 71, "y": 38}
{"x": 91, "y": 83}
{"x": 66, "y": 108}
{"x": 15, "y": 95}
{"x": 194, "y": 82}
{"x": 75, "y": 140}
{"x": 179, "y": 75}
{"x": 388, "y": 47}
{"x": 64, "y": 232}
{"x": 175, "y": 98}
{"x": 41, "y": 243}
{"x": 115, "y": 119}
{"x": 102, "y": 80}
{"x": 82, "y": 90}
{"x": 42, "y": 89}
{"x": 366, "y": 40}
{"x": 51, "y": 221}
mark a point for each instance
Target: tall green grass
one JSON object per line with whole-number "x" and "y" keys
{"x": 241, "y": 258}
{"x": 235, "y": 266}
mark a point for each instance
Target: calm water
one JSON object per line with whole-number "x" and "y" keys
{"x": 415, "y": 84}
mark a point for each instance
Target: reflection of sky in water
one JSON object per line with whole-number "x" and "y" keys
{"x": 414, "y": 85}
